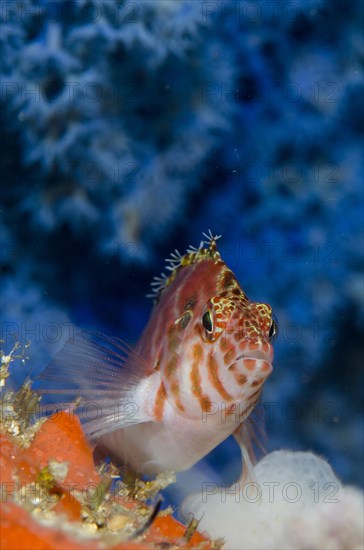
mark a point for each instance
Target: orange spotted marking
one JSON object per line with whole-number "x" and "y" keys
{"x": 228, "y": 279}
{"x": 223, "y": 344}
{"x": 253, "y": 346}
{"x": 229, "y": 356}
{"x": 250, "y": 364}
{"x": 241, "y": 379}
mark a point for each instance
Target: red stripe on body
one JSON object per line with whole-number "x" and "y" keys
{"x": 195, "y": 378}
{"x": 212, "y": 368}
{"x": 159, "y": 402}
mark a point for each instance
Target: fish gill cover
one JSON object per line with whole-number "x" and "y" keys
{"x": 129, "y": 128}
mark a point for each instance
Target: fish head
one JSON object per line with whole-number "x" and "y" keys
{"x": 237, "y": 336}
{"x": 215, "y": 344}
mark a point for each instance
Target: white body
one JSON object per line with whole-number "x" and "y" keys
{"x": 175, "y": 444}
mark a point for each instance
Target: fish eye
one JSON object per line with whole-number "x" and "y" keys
{"x": 207, "y": 321}
{"x": 273, "y": 331}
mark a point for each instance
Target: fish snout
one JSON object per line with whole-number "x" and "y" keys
{"x": 256, "y": 357}
{"x": 247, "y": 375}
{"x": 254, "y": 366}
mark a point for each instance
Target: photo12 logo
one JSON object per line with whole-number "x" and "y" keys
{"x": 271, "y": 491}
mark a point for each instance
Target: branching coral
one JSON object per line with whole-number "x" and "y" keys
{"x": 111, "y": 105}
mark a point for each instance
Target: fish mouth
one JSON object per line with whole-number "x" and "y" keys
{"x": 254, "y": 354}
{"x": 263, "y": 362}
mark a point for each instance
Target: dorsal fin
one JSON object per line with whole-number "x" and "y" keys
{"x": 177, "y": 261}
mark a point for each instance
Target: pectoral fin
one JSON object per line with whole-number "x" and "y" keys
{"x": 97, "y": 376}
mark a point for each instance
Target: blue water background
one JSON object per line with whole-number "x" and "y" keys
{"x": 128, "y": 128}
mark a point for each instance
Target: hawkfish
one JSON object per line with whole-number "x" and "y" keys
{"x": 192, "y": 380}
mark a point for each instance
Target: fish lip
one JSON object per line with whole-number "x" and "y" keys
{"x": 259, "y": 356}
{"x": 255, "y": 354}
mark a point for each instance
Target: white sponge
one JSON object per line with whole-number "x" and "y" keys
{"x": 295, "y": 502}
